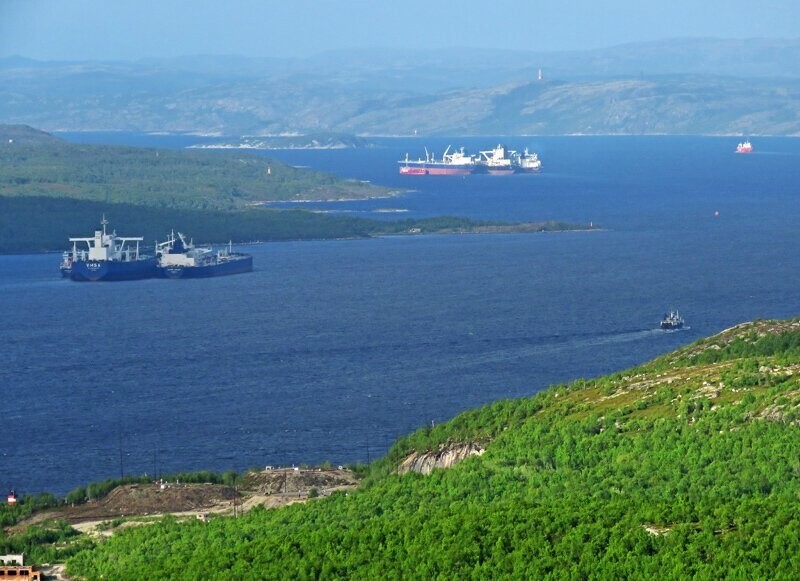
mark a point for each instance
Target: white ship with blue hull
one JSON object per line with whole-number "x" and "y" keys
{"x": 179, "y": 258}
{"x": 106, "y": 257}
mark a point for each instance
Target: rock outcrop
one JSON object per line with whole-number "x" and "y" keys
{"x": 444, "y": 457}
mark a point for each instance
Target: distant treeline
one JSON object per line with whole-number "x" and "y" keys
{"x": 37, "y": 224}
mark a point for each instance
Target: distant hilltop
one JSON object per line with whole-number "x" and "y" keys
{"x": 24, "y": 134}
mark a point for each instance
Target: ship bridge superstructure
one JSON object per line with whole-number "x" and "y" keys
{"x": 106, "y": 247}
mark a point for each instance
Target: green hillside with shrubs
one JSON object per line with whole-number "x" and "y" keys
{"x": 684, "y": 467}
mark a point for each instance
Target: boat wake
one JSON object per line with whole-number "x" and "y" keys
{"x": 524, "y": 348}
{"x": 675, "y": 330}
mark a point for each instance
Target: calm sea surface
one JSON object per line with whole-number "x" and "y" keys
{"x": 330, "y": 350}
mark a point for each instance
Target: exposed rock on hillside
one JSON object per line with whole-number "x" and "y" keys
{"x": 444, "y": 457}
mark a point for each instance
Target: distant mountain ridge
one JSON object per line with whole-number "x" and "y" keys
{"x": 706, "y": 86}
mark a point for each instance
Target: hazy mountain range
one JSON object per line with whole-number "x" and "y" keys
{"x": 701, "y": 86}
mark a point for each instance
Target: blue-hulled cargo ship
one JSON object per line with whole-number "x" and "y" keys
{"x": 179, "y": 258}
{"x": 107, "y": 257}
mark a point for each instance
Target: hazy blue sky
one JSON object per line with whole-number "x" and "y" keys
{"x": 131, "y": 29}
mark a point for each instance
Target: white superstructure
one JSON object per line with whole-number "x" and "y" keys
{"x": 498, "y": 159}
{"x": 105, "y": 247}
{"x": 528, "y": 162}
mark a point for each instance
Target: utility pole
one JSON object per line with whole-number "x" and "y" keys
{"x": 234, "y": 495}
{"x": 121, "y": 464}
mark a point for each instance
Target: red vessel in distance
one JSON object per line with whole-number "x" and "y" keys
{"x": 744, "y": 147}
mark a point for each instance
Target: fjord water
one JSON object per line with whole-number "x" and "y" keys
{"x": 331, "y": 349}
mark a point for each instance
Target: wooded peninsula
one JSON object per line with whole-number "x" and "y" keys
{"x": 51, "y": 190}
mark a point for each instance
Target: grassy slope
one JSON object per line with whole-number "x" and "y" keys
{"x": 684, "y": 466}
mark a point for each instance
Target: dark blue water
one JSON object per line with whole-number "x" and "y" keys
{"x": 330, "y": 350}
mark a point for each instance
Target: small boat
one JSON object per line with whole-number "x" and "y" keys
{"x": 744, "y": 147}
{"x": 106, "y": 257}
{"x": 179, "y": 258}
{"x": 672, "y": 320}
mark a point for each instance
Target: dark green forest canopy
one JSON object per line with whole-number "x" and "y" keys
{"x": 34, "y": 224}
{"x": 685, "y": 466}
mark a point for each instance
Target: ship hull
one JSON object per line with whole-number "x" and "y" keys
{"x": 449, "y": 171}
{"x": 106, "y": 270}
{"x": 430, "y": 169}
{"x": 235, "y": 266}
{"x": 412, "y": 171}
{"x": 500, "y": 172}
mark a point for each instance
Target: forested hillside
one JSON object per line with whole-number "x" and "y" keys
{"x": 686, "y": 466}
{"x": 34, "y": 163}
{"x": 36, "y": 224}
{"x": 51, "y": 190}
